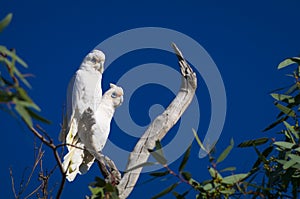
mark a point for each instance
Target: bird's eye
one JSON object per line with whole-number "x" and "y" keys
{"x": 114, "y": 95}
{"x": 94, "y": 60}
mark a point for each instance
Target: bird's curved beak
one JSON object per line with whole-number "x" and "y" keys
{"x": 121, "y": 100}
{"x": 101, "y": 67}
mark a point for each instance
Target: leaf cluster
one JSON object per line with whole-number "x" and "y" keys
{"x": 13, "y": 84}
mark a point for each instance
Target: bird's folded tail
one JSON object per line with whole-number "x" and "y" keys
{"x": 72, "y": 161}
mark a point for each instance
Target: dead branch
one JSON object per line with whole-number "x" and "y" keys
{"x": 160, "y": 126}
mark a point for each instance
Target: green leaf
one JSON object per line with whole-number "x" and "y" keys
{"x": 282, "y": 97}
{"x": 214, "y": 173}
{"x": 294, "y": 157}
{"x": 38, "y": 117}
{"x": 97, "y": 192}
{"x": 13, "y": 55}
{"x": 225, "y": 153}
{"x": 186, "y": 175}
{"x": 275, "y": 123}
{"x": 289, "y": 164}
{"x": 158, "y": 145}
{"x": 166, "y": 191}
{"x": 290, "y": 128}
{"x": 5, "y": 22}
{"x": 208, "y": 186}
{"x": 23, "y": 94}
{"x": 24, "y": 114}
{"x": 26, "y": 104}
{"x": 159, "y": 174}
{"x": 158, "y": 153}
{"x": 180, "y": 196}
{"x": 228, "y": 191}
{"x": 285, "y": 110}
{"x": 198, "y": 140}
{"x": 288, "y": 62}
{"x": 228, "y": 169}
{"x": 185, "y": 158}
{"x": 140, "y": 165}
{"x": 233, "y": 179}
{"x": 286, "y": 145}
{"x": 256, "y": 142}
{"x": 262, "y": 156}
{"x": 160, "y": 159}
{"x": 5, "y": 96}
{"x": 292, "y": 89}
{"x": 21, "y": 77}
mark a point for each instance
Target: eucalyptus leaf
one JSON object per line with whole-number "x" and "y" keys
{"x": 295, "y": 157}
{"x": 256, "y": 142}
{"x": 286, "y": 110}
{"x": 282, "y": 97}
{"x": 198, "y": 140}
{"x": 225, "y": 153}
{"x": 24, "y": 114}
{"x": 282, "y": 144}
{"x": 185, "y": 158}
{"x": 289, "y": 164}
{"x": 140, "y": 165}
{"x": 159, "y": 174}
{"x": 6, "y": 21}
{"x": 166, "y": 191}
{"x": 233, "y": 179}
{"x": 288, "y": 62}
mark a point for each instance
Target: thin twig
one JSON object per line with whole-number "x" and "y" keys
{"x": 12, "y": 182}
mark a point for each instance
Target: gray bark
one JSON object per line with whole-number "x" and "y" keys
{"x": 160, "y": 126}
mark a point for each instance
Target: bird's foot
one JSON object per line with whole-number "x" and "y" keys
{"x": 114, "y": 177}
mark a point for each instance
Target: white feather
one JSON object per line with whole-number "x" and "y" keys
{"x": 84, "y": 90}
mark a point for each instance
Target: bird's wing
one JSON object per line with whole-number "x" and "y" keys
{"x": 84, "y": 91}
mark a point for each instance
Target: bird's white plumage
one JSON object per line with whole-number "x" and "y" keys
{"x": 85, "y": 93}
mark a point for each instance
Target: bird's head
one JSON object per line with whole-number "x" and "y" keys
{"x": 114, "y": 95}
{"x": 96, "y": 59}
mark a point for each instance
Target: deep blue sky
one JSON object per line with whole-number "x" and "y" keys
{"x": 246, "y": 41}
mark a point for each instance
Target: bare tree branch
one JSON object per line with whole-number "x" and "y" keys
{"x": 50, "y": 144}
{"x": 160, "y": 126}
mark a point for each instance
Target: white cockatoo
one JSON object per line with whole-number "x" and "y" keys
{"x": 86, "y": 125}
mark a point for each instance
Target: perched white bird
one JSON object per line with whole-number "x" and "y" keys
{"x": 88, "y": 116}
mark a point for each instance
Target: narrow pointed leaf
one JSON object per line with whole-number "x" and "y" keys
{"x": 290, "y": 128}
{"x": 256, "y": 142}
{"x": 214, "y": 173}
{"x": 289, "y": 164}
{"x": 185, "y": 158}
{"x": 233, "y": 179}
{"x": 140, "y": 165}
{"x": 287, "y": 62}
{"x": 13, "y": 55}
{"x": 286, "y": 110}
{"x": 286, "y": 145}
{"x": 292, "y": 89}
{"x": 5, "y": 22}
{"x": 38, "y": 117}
{"x": 166, "y": 191}
{"x": 159, "y": 174}
{"x": 280, "y": 120}
{"x": 228, "y": 169}
{"x": 26, "y": 104}
{"x": 158, "y": 157}
{"x": 198, "y": 140}
{"x": 225, "y": 153}
{"x": 294, "y": 157}
{"x": 186, "y": 175}
{"x": 24, "y": 114}
{"x": 282, "y": 97}
{"x": 264, "y": 154}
